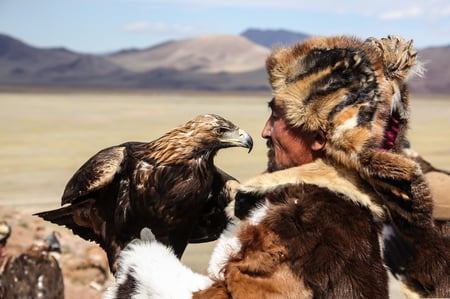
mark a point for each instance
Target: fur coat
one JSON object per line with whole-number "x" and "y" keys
{"x": 299, "y": 240}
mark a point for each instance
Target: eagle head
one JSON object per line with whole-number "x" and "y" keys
{"x": 201, "y": 136}
{"x": 215, "y": 132}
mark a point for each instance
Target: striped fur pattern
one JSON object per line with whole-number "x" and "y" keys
{"x": 345, "y": 87}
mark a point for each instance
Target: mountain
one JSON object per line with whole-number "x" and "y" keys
{"x": 214, "y": 62}
{"x": 436, "y": 78}
{"x": 271, "y": 38}
{"x": 207, "y": 63}
{"x": 206, "y": 54}
{"x": 22, "y": 64}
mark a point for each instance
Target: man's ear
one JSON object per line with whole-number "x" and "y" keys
{"x": 319, "y": 141}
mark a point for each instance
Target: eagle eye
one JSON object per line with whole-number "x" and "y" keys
{"x": 220, "y": 130}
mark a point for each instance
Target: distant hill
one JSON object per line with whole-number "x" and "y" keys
{"x": 205, "y": 54}
{"x": 271, "y": 38}
{"x": 22, "y": 64}
{"x": 437, "y": 71}
{"x": 207, "y": 63}
{"x": 215, "y": 62}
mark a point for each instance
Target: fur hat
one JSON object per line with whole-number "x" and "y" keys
{"x": 355, "y": 92}
{"x": 345, "y": 87}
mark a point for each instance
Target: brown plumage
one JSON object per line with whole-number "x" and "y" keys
{"x": 170, "y": 185}
{"x": 35, "y": 273}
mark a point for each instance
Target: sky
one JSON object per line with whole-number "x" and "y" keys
{"x": 104, "y": 26}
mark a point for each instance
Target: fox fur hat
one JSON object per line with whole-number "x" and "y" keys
{"x": 355, "y": 91}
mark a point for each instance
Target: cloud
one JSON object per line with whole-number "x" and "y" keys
{"x": 444, "y": 12}
{"x": 159, "y": 28}
{"x": 383, "y": 9}
{"x": 413, "y": 12}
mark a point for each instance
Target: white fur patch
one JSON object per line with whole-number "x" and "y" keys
{"x": 418, "y": 70}
{"x": 229, "y": 244}
{"x": 349, "y": 124}
{"x": 397, "y": 289}
{"x": 158, "y": 272}
{"x": 396, "y": 99}
{"x": 258, "y": 213}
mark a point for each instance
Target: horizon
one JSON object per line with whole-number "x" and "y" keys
{"x": 105, "y": 26}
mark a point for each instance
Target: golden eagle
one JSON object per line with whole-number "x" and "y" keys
{"x": 170, "y": 185}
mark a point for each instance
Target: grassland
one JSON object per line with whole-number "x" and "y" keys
{"x": 46, "y": 136}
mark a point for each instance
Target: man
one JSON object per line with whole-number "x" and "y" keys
{"x": 311, "y": 226}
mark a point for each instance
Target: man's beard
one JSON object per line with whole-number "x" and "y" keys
{"x": 271, "y": 163}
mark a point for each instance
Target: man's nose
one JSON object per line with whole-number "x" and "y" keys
{"x": 266, "y": 130}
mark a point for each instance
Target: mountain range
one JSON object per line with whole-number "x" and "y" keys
{"x": 210, "y": 62}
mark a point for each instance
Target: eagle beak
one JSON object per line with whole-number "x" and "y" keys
{"x": 238, "y": 138}
{"x": 245, "y": 140}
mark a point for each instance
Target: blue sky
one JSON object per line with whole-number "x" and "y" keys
{"x": 101, "y": 26}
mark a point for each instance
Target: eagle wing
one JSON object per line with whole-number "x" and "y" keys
{"x": 213, "y": 219}
{"x": 96, "y": 173}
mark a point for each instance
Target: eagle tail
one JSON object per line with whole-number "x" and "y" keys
{"x": 73, "y": 218}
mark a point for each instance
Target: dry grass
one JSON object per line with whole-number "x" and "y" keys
{"x": 45, "y": 137}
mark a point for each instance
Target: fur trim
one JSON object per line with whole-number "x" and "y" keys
{"x": 137, "y": 277}
{"x": 229, "y": 242}
{"x": 227, "y": 245}
{"x": 339, "y": 180}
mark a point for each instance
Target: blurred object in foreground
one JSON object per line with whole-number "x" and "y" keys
{"x": 34, "y": 273}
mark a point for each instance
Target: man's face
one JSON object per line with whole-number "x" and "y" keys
{"x": 288, "y": 147}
